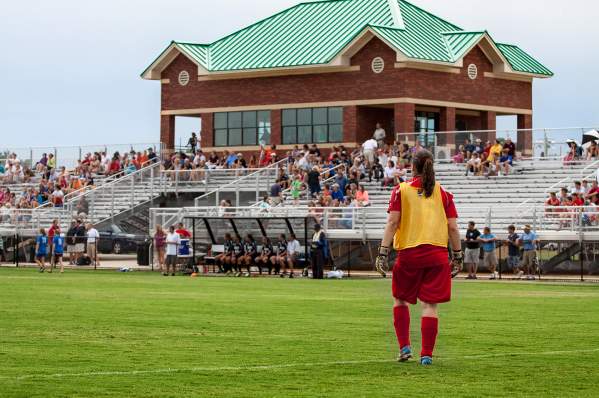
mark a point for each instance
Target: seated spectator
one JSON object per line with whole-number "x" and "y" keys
{"x": 390, "y": 175}
{"x": 474, "y": 165}
{"x": 577, "y": 188}
{"x": 362, "y": 197}
{"x": 510, "y": 146}
{"x": 592, "y": 152}
{"x": 470, "y": 148}
{"x": 577, "y": 201}
{"x": 460, "y": 156}
{"x": 505, "y": 162}
{"x": 553, "y": 201}
{"x": 337, "y": 194}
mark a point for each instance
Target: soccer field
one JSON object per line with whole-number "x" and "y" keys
{"x": 99, "y": 334}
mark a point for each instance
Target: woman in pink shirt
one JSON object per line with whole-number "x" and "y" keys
{"x": 362, "y": 197}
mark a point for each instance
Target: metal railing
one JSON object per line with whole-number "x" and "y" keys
{"x": 546, "y": 142}
{"x": 69, "y": 155}
{"x": 260, "y": 180}
{"x": 365, "y": 220}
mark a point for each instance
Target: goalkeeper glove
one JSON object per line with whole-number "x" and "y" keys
{"x": 382, "y": 261}
{"x": 457, "y": 262}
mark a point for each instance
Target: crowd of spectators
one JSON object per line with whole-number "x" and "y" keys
{"x": 580, "y": 199}
{"x": 489, "y": 159}
{"x": 45, "y": 183}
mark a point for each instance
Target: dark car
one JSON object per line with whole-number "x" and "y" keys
{"x": 113, "y": 239}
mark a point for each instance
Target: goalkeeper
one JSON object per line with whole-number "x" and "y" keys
{"x": 421, "y": 222}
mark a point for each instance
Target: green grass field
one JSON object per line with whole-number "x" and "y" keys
{"x": 86, "y": 334}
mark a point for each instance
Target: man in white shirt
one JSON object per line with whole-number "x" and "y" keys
{"x": 293, "y": 248}
{"x": 369, "y": 148}
{"x": 173, "y": 240}
{"x": 379, "y": 135}
{"x": 93, "y": 236}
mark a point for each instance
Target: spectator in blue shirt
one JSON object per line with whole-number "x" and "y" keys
{"x": 505, "y": 162}
{"x": 528, "y": 241}
{"x": 490, "y": 257}
{"x": 337, "y": 194}
{"x": 41, "y": 250}
{"x": 231, "y": 159}
{"x": 341, "y": 180}
{"x": 58, "y": 248}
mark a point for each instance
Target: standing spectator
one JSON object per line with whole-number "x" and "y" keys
{"x": 369, "y": 148}
{"x": 51, "y": 232}
{"x": 341, "y": 180}
{"x": 314, "y": 181}
{"x": 379, "y": 135}
{"x": 293, "y": 248}
{"x": 182, "y": 231}
{"x": 80, "y": 239}
{"x": 276, "y": 193}
{"x": 58, "y": 248}
{"x": 513, "y": 256}
{"x": 173, "y": 240}
{"x": 93, "y": 236}
{"x": 320, "y": 253}
{"x": 471, "y": 256}
{"x": 528, "y": 241}
{"x": 41, "y": 250}
{"x": 489, "y": 249}
{"x": 160, "y": 245}
{"x": 193, "y": 142}
{"x": 296, "y": 189}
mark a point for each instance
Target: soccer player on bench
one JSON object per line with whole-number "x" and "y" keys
{"x": 221, "y": 259}
{"x": 278, "y": 259}
{"x": 263, "y": 259}
{"x": 293, "y": 248}
{"x": 250, "y": 252}
{"x": 236, "y": 255}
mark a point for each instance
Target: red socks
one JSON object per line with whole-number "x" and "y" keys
{"x": 428, "y": 328}
{"x": 401, "y": 321}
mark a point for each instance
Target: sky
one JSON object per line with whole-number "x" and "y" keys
{"x": 71, "y": 68}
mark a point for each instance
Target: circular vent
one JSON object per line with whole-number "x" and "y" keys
{"x": 472, "y": 71}
{"x": 378, "y": 65}
{"x": 183, "y": 78}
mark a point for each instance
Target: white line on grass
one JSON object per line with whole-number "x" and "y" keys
{"x": 278, "y": 366}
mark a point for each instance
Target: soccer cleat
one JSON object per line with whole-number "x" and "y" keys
{"x": 520, "y": 274}
{"x": 426, "y": 361}
{"x": 291, "y": 275}
{"x": 405, "y": 354}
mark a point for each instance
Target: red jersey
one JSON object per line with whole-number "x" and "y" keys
{"x": 183, "y": 233}
{"x": 425, "y": 254}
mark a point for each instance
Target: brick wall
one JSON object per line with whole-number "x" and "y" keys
{"x": 346, "y": 86}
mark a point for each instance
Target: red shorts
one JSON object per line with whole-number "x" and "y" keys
{"x": 430, "y": 284}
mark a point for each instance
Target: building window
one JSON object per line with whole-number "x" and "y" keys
{"x": 312, "y": 125}
{"x": 426, "y": 124}
{"x": 242, "y": 128}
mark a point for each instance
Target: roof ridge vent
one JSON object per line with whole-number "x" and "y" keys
{"x": 396, "y": 14}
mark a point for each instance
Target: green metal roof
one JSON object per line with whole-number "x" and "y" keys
{"x": 314, "y": 33}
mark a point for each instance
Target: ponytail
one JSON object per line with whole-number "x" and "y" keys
{"x": 422, "y": 166}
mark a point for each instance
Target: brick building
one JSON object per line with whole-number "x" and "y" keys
{"x": 328, "y": 71}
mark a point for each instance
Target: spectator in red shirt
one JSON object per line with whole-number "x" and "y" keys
{"x": 183, "y": 233}
{"x": 593, "y": 195}
{"x": 577, "y": 201}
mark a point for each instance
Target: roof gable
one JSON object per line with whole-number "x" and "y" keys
{"x": 317, "y": 33}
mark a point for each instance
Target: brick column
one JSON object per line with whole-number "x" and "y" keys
{"x": 488, "y": 121}
{"x": 350, "y": 124}
{"x": 167, "y": 131}
{"x": 276, "y": 131}
{"x": 404, "y": 121}
{"x": 207, "y": 138}
{"x": 446, "y": 123}
{"x": 524, "y": 143}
